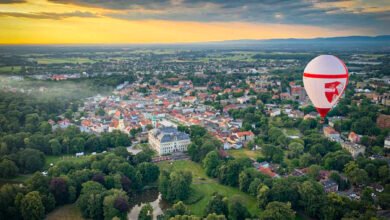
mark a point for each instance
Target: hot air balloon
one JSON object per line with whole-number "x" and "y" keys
{"x": 325, "y": 79}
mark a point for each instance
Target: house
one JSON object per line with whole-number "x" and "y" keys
{"x": 189, "y": 99}
{"x": 383, "y": 121}
{"x": 353, "y": 137}
{"x": 245, "y": 136}
{"x": 275, "y": 112}
{"x": 331, "y": 133}
{"x": 387, "y": 143}
{"x": 330, "y": 186}
{"x": 267, "y": 171}
{"x": 353, "y": 149}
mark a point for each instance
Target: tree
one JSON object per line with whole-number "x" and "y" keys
{"x": 253, "y": 186}
{"x": 336, "y": 160}
{"x": 55, "y": 146}
{"x": 32, "y": 207}
{"x": 90, "y": 201}
{"x": 8, "y": 169}
{"x": 30, "y": 160}
{"x": 263, "y": 195}
{"x": 149, "y": 172}
{"x": 77, "y": 144}
{"x": 175, "y": 185}
{"x": 296, "y": 149}
{"x": 59, "y": 188}
{"x": 272, "y": 153}
{"x": 211, "y": 163}
{"x": 217, "y": 204}
{"x": 335, "y": 206}
{"x": 312, "y": 197}
{"x": 115, "y": 204}
{"x": 278, "y": 211}
{"x": 355, "y": 174}
{"x": 9, "y": 206}
{"x": 146, "y": 212}
{"x": 237, "y": 210}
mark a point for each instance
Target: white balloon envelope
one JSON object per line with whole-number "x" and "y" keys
{"x": 325, "y": 79}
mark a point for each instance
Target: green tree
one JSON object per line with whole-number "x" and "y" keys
{"x": 146, "y": 212}
{"x": 8, "y": 169}
{"x": 55, "y": 146}
{"x": 263, "y": 195}
{"x": 211, "y": 163}
{"x": 30, "y": 160}
{"x": 149, "y": 172}
{"x": 312, "y": 197}
{"x": 115, "y": 204}
{"x": 90, "y": 201}
{"x": 32, "y": 207}
{"x": 237, "y": 210}
{"x": 217, "y": 204}
{"x": 278, "y": 211}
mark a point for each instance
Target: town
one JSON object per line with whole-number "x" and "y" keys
{"x": 252, "y": 106}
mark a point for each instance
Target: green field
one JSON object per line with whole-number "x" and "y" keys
{"x": 73, "y": 60}
{"x": 291, "y": 132}
{"x": 16, "y": 180}
{"x": 245, "y": 153}
{"x": 55, "y": 159}
{"x": 9, "y": 69}
{"x": 66, "y": 212}
{"x": 205, "y": 187}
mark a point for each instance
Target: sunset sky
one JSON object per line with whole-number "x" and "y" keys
{"x": 180, "y": 21}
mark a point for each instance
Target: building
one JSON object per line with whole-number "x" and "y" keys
{"x": 331, "y": 133}
{"x": 387, "y": 143}
{"x": 354, "y": 149}
{"x": 383, "y": 121}
{"x": 245, "y": 136}
{"x": 166, "y": 140}
{"x": 353, "y": 137}
{"x": 330, "y": 186}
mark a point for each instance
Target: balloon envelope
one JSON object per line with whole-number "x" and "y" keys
{"x": 325, "y": 78}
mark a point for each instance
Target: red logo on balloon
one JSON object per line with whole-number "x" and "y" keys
{"x": 333, "y": 90}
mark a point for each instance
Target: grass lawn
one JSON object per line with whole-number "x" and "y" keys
{"x": 66, "y": 212}
{"x": 18, "y": 179}
{"x": 291, "y": 132}
{"x": 64, "y": 60}
{"x": 10, "y": 69}
{"x": 55, "y": 159}
{"x": 205, "y": 186}
{"x": 242, "y": 153}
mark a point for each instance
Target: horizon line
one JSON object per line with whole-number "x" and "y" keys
{"x": 186, "y": 43}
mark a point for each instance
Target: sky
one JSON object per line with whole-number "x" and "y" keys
{"x": 186, "y": 21}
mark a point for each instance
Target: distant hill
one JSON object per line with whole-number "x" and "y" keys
{"x": 381, "y": 43}
{"x": 381, "y": 38}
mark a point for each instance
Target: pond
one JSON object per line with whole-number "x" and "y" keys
{"x": 152, "y": 196}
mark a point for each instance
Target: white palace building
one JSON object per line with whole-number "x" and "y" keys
{"x": 166, "y": 140}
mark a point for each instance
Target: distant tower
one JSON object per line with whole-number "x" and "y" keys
{"x": 154, "y": 123}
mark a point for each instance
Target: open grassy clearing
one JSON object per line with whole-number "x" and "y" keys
{"x": 291, "y": 132}
{"x": 55, "y": 159}
{"x": 245, "y": 153}
{"x": 9, "y": 69}
{"x": 73, "y": 60}
{"x": 16, "y": 180}
{"x": 203, "y": 188}
{"x": 66, "y": 212}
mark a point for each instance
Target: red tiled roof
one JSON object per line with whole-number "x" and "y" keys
{"x": 267, "y": 171}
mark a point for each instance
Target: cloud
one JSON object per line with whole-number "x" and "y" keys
{"x": 331, "y": 13}
{"x": 12, "y": 1}
{"x": 119, "y": 4}
{"x": 48, "y": 15}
